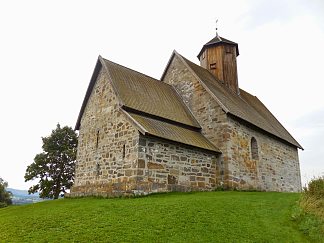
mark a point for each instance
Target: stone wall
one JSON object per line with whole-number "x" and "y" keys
{"x": 147, "y": 165}
{"x": 276, "y": 168}
{"x": 107, "y": 150}
{"x": 206, "y": 110}
{"x": 166, "y": 166}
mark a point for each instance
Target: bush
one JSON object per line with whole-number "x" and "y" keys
{"x": 312, "y": 200}
{"x": 5, "y": 196}
{"x": 310, "y": 213}
{"x": 315, "y": 188}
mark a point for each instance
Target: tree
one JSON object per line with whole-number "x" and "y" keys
{"x": 55, "y": 166}
{"x": 5, "y": 196}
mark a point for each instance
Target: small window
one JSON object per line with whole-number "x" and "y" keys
{"x": 98, "y": 169}
{"x": 212, "y": 66}
{"x": 124, "y": 151}
{"x": 254, "y": 148}
{"x": 203, "y": 55}
{"x": 97, "y": 140}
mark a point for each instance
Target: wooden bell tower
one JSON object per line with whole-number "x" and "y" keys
{"x": 219, "y": 57}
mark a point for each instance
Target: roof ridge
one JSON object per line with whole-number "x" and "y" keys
{"x": 133, "y": 70}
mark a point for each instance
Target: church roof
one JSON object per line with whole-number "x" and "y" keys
{"x": 244, "y": 106}
{"x": 162, "y": 129}
{"x": 155, "y": 107}
{"x": 217, "y": 41}
{"x": 143, "y": 93}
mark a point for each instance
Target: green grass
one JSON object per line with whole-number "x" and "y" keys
{"x": 174, "y": 217}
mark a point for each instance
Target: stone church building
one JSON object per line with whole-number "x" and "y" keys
{"x": 194, "y": 129}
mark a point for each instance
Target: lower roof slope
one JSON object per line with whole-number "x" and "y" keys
{"x": 244, "y": 106}
{"x": 172, "y": 132}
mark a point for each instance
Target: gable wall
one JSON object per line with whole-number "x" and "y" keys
{"x": 206, "y": 110}
{"x": 277, "y": 166}
{"x": 102, "y": 169}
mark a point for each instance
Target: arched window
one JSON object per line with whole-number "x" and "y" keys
{"x": 254, "y": 148}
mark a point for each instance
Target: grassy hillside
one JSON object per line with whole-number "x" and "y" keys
{"x": 175, "y": 217}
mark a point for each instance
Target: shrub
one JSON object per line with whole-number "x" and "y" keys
{"x": 315, "y": 188}
{"x": 310, "y": 213}
{"x": 5, "y": 196}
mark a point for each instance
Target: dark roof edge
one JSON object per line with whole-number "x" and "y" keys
{"x": 264, "y": 131}
{"x": 297, "y": 144}
{"x": 159, "y": 118}
{"x": 223, "y": 41}
{"x": 184, "y": 144}
{"x": 144, "y": 132}
{"x": 168, "y": 64}
{"x": 135, "y": 123}
{"x": 227, "y": 111}
{"x": 88, "y": 93}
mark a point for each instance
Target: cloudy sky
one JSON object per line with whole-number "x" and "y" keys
{"x": 48, "y": 50}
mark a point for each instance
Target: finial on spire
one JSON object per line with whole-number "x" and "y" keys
{"x": 217, "y": 28}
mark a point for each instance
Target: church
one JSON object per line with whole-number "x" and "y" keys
{"x": 194, "y": 129}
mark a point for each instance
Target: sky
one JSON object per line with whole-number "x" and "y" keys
{"x": 48, "y": 51}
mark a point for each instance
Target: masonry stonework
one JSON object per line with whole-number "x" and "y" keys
{"x": 206, "y": 110}
{"x": 165, "y": 166}
{"x": 107, "y": 149}
{"x": 276, "y": 169}
{"x": 139, "y": 136}
{"x": 114, "y": 159}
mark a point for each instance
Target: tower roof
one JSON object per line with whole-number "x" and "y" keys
{"x": 217, "y": 41}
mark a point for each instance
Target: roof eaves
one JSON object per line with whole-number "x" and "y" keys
{"x": 220, "y": 41}
{"x": 214, "y": 150}
{"x": 297, "y": 144}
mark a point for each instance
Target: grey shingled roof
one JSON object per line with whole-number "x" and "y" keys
{"x": 244, "y": 106}
{"x": 143, "y": 93}
{"x": 216, "y": 41}
{"x": 155, "y": 107}
{"x": 173, "y": 132}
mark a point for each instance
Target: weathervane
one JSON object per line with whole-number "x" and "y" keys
{"x": 216, "y": 27}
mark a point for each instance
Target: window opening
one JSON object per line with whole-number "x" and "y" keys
{"x": 254, "y": 148}
{"x": 212, "y": 66}
{"x": 124, "y": 151}
{"x": 97, "y": 141}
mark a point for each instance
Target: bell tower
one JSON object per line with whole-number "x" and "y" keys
{"x": 219, "y": 57}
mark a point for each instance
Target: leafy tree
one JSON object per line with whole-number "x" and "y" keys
{"x": 5, "y": 196}
{"x": 55, "y": 166}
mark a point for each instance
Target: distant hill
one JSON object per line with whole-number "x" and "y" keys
{"x": 20, "y": 197}
{"x": 23, "y": 193}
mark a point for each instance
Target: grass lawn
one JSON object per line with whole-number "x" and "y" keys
{"x": 173, "y": 217}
